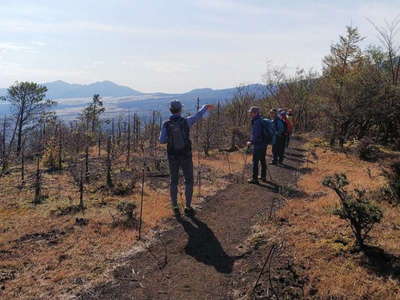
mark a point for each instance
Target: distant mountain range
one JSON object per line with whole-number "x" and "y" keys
{"x": 119, "y": 99}
{"x": 63, "y": 90}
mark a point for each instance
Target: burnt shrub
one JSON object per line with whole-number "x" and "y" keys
{"x": 391, "y": 192}
{"x": 127, "y": 211}
{"x": 68, "y": 210}
{"x": 367, "y": 150}
{"x": 356, "y": 208}
{"x": 122, "y": 189}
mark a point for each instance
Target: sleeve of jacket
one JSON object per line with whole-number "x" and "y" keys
{"x": 197, "y": 116}
{"x": 163, "y": 134}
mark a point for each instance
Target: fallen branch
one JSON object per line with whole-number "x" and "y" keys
{"x": 271, "y": 250}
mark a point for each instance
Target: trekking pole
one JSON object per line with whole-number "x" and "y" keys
{"x": 141, "y": 206}
{"x": 198, "y": 155}
{"x": 269, "y": 174}
{"x": 244, "y": 163}
{"x": 199, "y": 191}
{"x": 198, "y": 172}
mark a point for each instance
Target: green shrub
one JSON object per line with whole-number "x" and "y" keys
{"x": 356, "y": 208}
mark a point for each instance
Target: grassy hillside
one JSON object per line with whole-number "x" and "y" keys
{"x": 322, "y": 244}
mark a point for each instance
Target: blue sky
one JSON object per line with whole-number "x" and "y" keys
{"x": 173, "y": 46}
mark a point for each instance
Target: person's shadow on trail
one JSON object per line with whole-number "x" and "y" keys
{"x": 204, "y": 246}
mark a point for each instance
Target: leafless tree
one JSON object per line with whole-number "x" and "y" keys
{"x": 388, "y": 35}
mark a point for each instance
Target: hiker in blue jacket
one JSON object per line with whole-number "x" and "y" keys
{"x": 259, "y": 143}
{"x": 175, "y": 132}
{"x": 278, "y": 148}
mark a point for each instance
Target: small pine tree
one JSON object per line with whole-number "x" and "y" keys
{"x": 356, "y": 208}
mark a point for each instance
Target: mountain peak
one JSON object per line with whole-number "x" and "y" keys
{"x": 61, "y": 89}
{"x": 57, "y": 82}
{"x": 204, "y": 90}
{"x": 103, "y": 82}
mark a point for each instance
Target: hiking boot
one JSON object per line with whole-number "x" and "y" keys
{"x": 253, "y": 181}
{"x": 176, "y": 211}
{"x": 189, "y": 212}
{"x": 263, "y": 179}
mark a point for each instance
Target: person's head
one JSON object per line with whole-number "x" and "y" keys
{"x": 254, "y": 111}
{"x": 283, "y": 115}
{"x": 175, "y": 107}
{"x": 273, "y": 113}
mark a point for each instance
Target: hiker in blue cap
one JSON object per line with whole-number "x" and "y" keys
{"x": 261, "y": 136}
{"x": 175, "y": 132}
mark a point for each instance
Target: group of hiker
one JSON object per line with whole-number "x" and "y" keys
{"x": 275, "y": 131}
{"x": 175, "y": 132}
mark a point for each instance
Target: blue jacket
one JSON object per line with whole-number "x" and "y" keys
{"x": 279, "y": 126}
{"x": 191, "y": 120}
{"x": 257, "y": 133}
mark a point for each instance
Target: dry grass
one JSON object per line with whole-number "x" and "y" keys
{"x": 69, "y": 256}
{"x": 321, "y": 242}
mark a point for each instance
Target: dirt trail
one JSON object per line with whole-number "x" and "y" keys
{"x": 199, "y": 257}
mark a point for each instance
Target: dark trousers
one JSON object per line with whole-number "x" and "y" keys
{"x": 278, "y": 149}
{"x": 259, "y": 157}
{"x": 287, "y": 141}
{"x": 185, "y": 163}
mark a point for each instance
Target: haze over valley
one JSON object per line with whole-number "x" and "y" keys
{"x": 118, "y": 99}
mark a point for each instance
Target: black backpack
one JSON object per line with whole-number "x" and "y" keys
{"x": 178, "y": 137}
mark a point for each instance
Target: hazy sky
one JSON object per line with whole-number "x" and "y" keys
{"x": 170, "y": 45}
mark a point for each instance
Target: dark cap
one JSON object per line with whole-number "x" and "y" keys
{"x": 175, "y": 105}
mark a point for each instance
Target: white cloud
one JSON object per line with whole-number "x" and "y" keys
{"x": 228, "y": 5}
{"x": 379, "y": 11}
{"x": 251, "y": 8}
{"x": 7, "y": 46}
{"x": 218, "y": 43}
{"x": 169, "y": 67}
{"x": 18, "y": 72}
{"x": 38, "y": 43}
{"x": 81, "y": 26}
